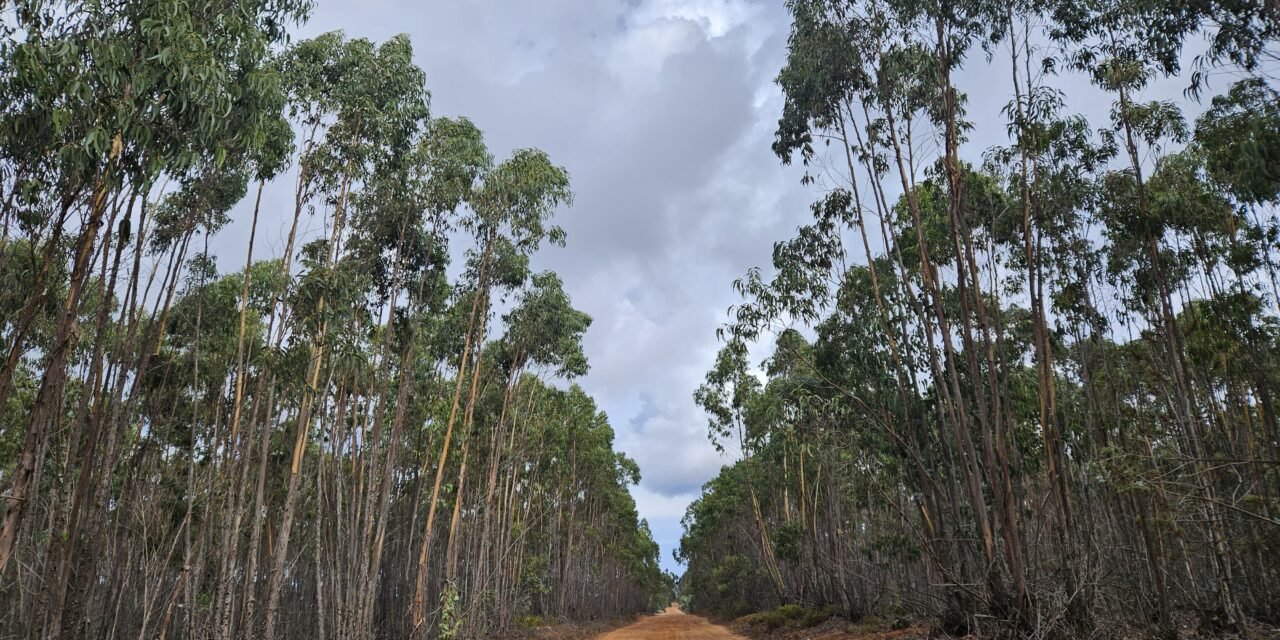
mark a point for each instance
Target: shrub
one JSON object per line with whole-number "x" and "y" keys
{"x": 794, "y": 616}
{"x": 531, "y": 621}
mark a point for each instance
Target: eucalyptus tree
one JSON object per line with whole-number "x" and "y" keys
{"x": 870, "y": 57}
{"x": 187, "y": 452}
{"x": 405, "y": 216}
{"x": 1008, "y": 397}
{"x": 116, "y": 97}
{"x": 509, "y": 207}
{"x": 1145, "y": 222}
{"x": 585, "y": 517}
{"x": 543, "y": 331}
{"x": 740, "y": 407}
{"x": 361, "y": 106}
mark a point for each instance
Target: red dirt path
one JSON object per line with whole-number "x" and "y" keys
{"x": 672, "y": 624}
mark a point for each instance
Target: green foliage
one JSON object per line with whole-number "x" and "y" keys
{"x": 989, "y": 385}
{"x": 1240, "y": 138}
{"x": 545, "y": 330}
{"x": 532, "y": 621}
{"x": 792, "y": 616}
{"x": 787, "y": 541}
{"x": 143, "y": 87}
{"x": 161, "y": 419}
{"x": 450, "y": 614}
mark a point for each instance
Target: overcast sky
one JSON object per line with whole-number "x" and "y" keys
{"x": 663, "y": 112}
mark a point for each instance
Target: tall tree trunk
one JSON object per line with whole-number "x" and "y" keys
{"x": 50, "y": 395}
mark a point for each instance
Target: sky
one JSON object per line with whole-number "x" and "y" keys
{"x": 663, "y": 113}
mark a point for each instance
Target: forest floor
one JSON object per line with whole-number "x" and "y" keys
{"x": 769, "y": 627}
{"x": 796, "y": 623}
{"x": 568, "y": 630}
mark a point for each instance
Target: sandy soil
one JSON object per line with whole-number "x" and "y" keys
{"x": 672, "y": 624}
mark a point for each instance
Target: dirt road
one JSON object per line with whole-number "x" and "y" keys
{"x": 672, "y": 624}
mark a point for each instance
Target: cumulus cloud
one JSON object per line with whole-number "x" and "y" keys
{"x": 675, "y": 458}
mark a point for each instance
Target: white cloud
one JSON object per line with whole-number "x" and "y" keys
{"x": 668, "y": 440}
{"x": 715, "y": 17}
{"x": 657, "y": 507}
{"x": 641, "y": 51}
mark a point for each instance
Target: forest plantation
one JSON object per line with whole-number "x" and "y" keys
{"x": 1014, "y": 376}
